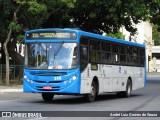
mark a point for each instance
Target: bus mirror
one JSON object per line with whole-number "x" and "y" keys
{"x": 94, "y": 67}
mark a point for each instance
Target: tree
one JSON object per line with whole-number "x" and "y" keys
{"x": 89, "y": 15}
{"x": 156, "y": 35}
{"x": 108, "y": 16}
{"x": 154, "y": 10}
{"x": 13, "y": 26}
{"x": 31, "y": 16}
{"x": 118, "y": 35}
{"x": 13, "y": 23}
{"x": 154, "y": 7}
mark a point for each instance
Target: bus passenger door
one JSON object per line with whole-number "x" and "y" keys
{"x": 84, "y": 69}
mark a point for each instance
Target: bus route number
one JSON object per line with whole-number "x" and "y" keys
{"x": 57, "y": 78}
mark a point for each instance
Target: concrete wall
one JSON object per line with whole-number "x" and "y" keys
{"x": 155, "y": 62}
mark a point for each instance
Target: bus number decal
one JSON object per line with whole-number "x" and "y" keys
{"x": 57, "y": 78}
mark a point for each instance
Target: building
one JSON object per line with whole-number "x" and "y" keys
{"x": 20, "y": 49}
{"x": 155, "y": 61}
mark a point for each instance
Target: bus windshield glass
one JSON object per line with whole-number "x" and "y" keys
{"x": 51, "y": 56}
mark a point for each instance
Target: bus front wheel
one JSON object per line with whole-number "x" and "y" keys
{"x": 47, "y": 97}
{"x": 92, "y": 95}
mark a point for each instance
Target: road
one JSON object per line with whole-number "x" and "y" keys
{"x": 145, "y": 99}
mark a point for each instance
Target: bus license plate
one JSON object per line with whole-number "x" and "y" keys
{"x": 47, "y": 87}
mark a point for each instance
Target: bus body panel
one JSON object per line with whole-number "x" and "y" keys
{"x": 112, "y": 78}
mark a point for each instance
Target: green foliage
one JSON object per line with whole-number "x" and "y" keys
{"x": 156, "y": 35}
{"x": 154, "y": 9}
{"x": 89, "y": 15}
{"x": 35, "y": 7}
{"x": 20, "y": 38}
{"x": 14, "y": 26}
{"x": 118, "y": 35}
{"x": 96, "y": 16}
{"x": 21, "y": 2}
{"x": 106, "y": 15}
{"x": 69, "y": 3}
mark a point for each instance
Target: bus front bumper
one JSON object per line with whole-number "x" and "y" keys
{"x": 65, "y": 87}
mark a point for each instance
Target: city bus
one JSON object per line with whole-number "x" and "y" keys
{"x": 74, "y": 62}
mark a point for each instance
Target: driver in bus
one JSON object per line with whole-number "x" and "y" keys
{"x": 74, "y": 60}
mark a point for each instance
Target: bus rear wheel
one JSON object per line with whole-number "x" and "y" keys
{"x": 47, "y": 97}
{"x": 92, "y": 95}
{"x": 128, "y": 91}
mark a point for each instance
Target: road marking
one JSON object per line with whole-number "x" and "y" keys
{"x": 9, "y": 100}
{"x": 38, "y": 118}
{"x": 11, "y": 90}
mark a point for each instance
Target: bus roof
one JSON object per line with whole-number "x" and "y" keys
{"x": 84, "y": 33}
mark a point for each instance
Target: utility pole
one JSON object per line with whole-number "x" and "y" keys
{"x": 149, "y": 59}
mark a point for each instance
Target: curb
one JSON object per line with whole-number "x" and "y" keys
{"x": 10, "y": 90}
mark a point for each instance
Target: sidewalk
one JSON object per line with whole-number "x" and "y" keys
{"x": 153, "y": 73}
{"x": 15, "y": 88}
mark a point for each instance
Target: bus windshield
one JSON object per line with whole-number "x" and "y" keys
{"x": 51, "y": 55}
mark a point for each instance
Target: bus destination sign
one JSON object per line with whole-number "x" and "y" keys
{"x": 50, "y": 35}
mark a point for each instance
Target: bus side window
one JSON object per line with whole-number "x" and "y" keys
{"x": 115, "y": 54}
{"x": 83, "y": 57}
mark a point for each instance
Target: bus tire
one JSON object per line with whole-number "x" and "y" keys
{"x": 47, "y": 97}
{"x": 128, "y": 91}
{"x": 92, "y": 95}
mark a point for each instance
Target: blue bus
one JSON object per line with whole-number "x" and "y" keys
{"x": 74, "y": 62}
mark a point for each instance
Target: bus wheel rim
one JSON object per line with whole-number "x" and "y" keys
{"x": 129, "y": 90}
{"x": 92, "y": 91}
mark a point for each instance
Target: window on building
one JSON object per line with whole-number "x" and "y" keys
{"x": 156, "y": 55}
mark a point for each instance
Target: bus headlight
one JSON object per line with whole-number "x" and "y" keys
{"x": 73, "y": 78}
{"x": 24, "y": 76}
{"x": 31, "y": 81}
{"x": 27, "y": 79}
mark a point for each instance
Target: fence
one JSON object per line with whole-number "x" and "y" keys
{"x": 15, "y": 72}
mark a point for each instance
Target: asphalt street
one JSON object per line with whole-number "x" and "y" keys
{"x": 144, "y": 99}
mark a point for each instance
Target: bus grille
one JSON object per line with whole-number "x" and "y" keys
{"x": 38, "y": 81}
{"x": 42, "y": 81}
{"x": 48, "y": 73}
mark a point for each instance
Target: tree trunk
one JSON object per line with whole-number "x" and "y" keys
{"x": 6, "y": 43}
{"x": 7, "y": 57}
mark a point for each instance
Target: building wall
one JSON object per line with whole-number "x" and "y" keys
{"x": 155, "y": 61}
{"x": 20, "y": 49}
